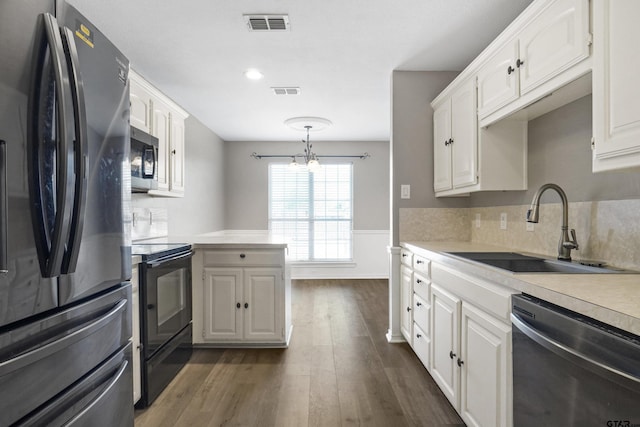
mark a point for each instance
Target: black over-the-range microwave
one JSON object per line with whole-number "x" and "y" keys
{"x": 144, "y": 161}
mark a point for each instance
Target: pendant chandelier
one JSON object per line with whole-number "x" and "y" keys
{"x": 309, "y": 157}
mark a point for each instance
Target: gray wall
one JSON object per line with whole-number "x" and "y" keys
{"x": 412, "y": 141}
{"x": 560, "y": 152}
{"x": 246, "y": 186}
{"x": 201, "y": 209}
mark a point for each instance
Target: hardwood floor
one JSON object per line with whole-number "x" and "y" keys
{"x": 339, "y": 370}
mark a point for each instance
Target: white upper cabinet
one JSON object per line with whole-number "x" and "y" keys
{"x": 555, "y": 38}
{"x": 455, "y": 139}
{"x": 158, "y": 115}
{"x": 616, "y": 85}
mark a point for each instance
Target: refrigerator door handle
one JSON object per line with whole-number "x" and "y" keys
{"x": 3, "y": 208}
{"x": 81, "y": 160}
{"x": 51, "y": 241}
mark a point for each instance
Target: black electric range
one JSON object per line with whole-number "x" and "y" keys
{"x": 156, "y": 251}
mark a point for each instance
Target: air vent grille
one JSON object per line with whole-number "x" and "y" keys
{"x": 286, "y": 90}
{"x": 267, "y": 22}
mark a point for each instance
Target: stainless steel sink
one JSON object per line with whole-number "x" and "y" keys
{"x": 518, "y": 263}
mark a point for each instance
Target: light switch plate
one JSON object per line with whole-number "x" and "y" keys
{"x": 405, "y": 191}
{"x": 503, "y": 221}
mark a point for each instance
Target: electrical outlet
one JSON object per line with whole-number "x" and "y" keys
{"x": 530, "y": 226}
{"x": 405, "y": 191}
{"x": 503, "y": 221}
{"x": 477, "y": 220}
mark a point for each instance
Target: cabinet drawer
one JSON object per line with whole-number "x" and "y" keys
{"x": 421, "y": 343}
{"x": 229, "y": 258}
{"x": 421, "y": 313}
{"x": 421, "y": 264}
{"x": 421, "y": 286}
{"x": 406, "y": 257}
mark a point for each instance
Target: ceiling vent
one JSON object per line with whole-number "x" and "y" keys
{"x": 286, "y": 90}
{"x": 267, "y": 22}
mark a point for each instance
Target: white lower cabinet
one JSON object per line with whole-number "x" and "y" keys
{"x": 471, "y": 349}
{"x": 485, "y": 370}
{"x": 243, "y": 304}
{"x": 135, "y": 335}
{"x": 445, "y": 343}
{"x": 406, "y": 302}
{"x": 243, "y": 298}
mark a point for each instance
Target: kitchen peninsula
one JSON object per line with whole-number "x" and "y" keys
{"x": 241, "y": 290}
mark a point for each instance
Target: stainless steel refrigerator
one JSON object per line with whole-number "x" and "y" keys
{"x": 65, "y": 252}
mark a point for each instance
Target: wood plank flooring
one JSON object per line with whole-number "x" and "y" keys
{"x": 339, "y": 370}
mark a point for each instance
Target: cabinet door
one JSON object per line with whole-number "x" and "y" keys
{"x": 176, "y": 154}
{"x": 140, "y": 99}
{"x": 486, "y": 370}
{"x": 616, "y": 86}
{"x": 445, "y": 342}
{"x": 135, "y": 334}
{"x": 557, "y": 39}
{"x": 406, "y": 302}
{"x": 263, "y": 294}
{"x": 498, "y": 82}
{"x": 223, "y": 312}
{"x": 162, "y": 131}
{"x": 464, "y": 135}
{"x": 441, "y": 147}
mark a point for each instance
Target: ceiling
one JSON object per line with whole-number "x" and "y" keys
{"x": 341, "y": 53}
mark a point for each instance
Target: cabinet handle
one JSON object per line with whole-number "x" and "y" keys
{"x": 418, "y": 336}
{"x": 519, "y": 63}
{"x": 460, "y": 362}
{"x": 246, "y": 305}
{"x": 408, "y": 309}
{"x": 452, "y": 355}
{"x": 243, "y": 256}
{"x": 404, "y": 255}
{"x": 450, "y": 141}
{"x": 238, "y": 305}
{"x": 419, "y": 262}
{"x": 446, "y": 142}
{"x": 510, "y": 70}
{"x": 419, "y": 304}
{"x": 173, "y": 151}
{"x": 418, "y": 281}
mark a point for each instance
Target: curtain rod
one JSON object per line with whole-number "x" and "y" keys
{"x": 288, "y": 156}
{"x": 263, "y": 156}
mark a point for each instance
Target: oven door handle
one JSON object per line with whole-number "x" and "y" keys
{"x": 153, "y": 264}
{"x": 571, "y": 354}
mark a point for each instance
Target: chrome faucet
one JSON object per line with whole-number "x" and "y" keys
{"x": 565, "y": 245}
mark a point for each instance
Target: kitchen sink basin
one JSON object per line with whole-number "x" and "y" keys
{"x": 518, "y": 263}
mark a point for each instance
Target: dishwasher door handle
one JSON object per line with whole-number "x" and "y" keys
{"x": 571, "y": 354}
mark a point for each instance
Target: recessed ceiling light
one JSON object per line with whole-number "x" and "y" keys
{"x": 253, "y": 74}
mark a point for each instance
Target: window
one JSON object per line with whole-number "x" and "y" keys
{"x": 312, "y": 211}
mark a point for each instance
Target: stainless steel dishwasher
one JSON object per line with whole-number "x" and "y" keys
{"x": 571, "y": 370}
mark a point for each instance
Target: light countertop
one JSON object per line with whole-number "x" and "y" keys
{"x": 611, "y": 298}
{"x": 227, "y": 240}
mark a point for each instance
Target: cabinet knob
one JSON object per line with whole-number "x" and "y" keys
{"x": 419, "y": 262}
{"x": 238, "y": 305}
{"x": 419, "y": 304}
{"x": 418, "y": 336}
{"x": 408, "y": 309}
{"x": 243, "y": 256}
{"x": 446, "y": 142}
{"x": 460, "y": 363}
{"x": 510, "y": 69}
{"x": 519, "y": 63}
{"x": 450, "y": 141}
{"x": 246, "y": 305}
{"x": 173, "y": 151}
{"x": 404, "y": 255}
{"x": 418, "y": 281}
{"x": 452, "y": 355}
